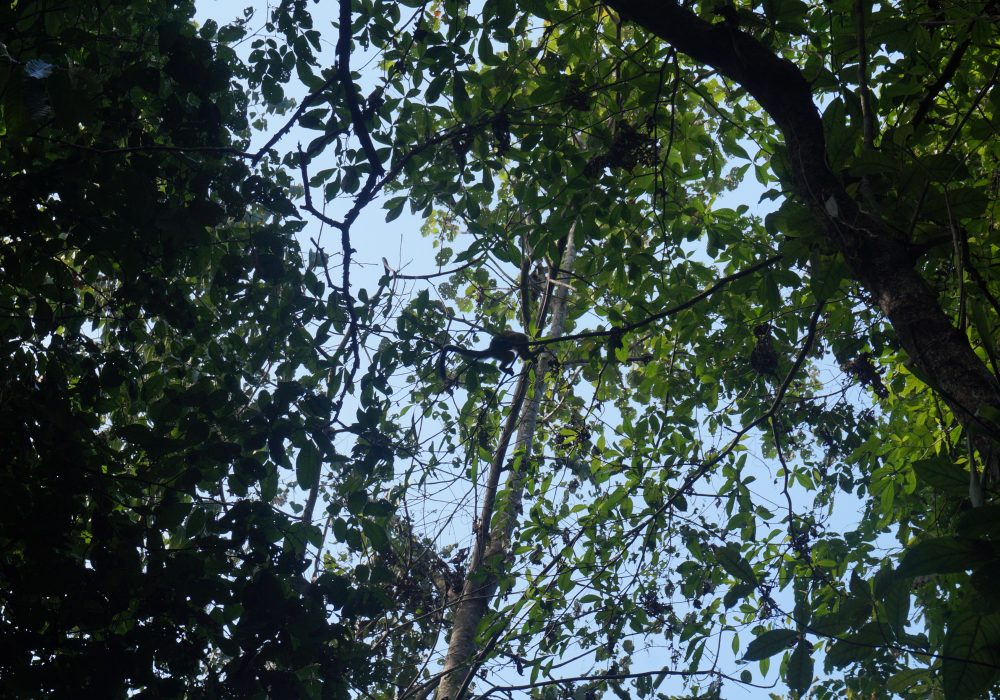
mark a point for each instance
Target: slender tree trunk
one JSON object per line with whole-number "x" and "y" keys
{"x": 495, "y": 528}
{"x": 879, "y": 256}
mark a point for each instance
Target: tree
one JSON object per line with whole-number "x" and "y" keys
{"x": 156, "y": 372}
{"x": 772, "y": 429}
{"x": 617, "y": 122}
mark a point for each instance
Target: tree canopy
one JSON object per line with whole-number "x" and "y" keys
{"x": 752, "y": 436}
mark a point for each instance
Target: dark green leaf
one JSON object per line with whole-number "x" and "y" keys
{"x": 730, "y": 559}
{"x": 943, "y": 555}
{"x": 971, "y": 661}
{"x": 769, "y": 644}
{"x": 943, "y": 475}
{"x": 307, "y": 466}
{"x": 800, "y": 667}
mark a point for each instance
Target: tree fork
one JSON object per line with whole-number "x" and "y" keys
{"x": 481, "y": 584}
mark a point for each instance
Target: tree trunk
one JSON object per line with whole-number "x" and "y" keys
{"x": 493, "y": 537}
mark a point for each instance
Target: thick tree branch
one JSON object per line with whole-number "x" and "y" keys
{"x": 878, "y": 256}
{"x": 688, "y": 483}
{"x": 344, "y": 75}
{"x": 492, "y": 546}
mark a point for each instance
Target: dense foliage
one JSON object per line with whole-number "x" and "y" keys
{"x": 154, "y": 313}
{"x": 749, "y": 440}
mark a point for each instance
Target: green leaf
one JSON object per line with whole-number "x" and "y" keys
{"x": 942, "y": 475}
{"x": 980, "y": 522}
{"x": 769, "y": 644}
{"x": 737, "y": 593}
{"x": 846, "y": 651}
{"x": 272, "y": 91}
{"x": 908, "y": 680}
{"x": 376, "y": 534}
{"x": 829, "y": 625}
{"x": 827, "y": 275}
{"x": 971, "y": 655}
{"x": 984, "y": 328}
{"x": 771, "y": 293}
{"x": 461, "y": 98}
{"x": 395, "y": 208}
{"x": 944, "y": 167}
{"x": 799, "y": 673}
{"x": 730, "y": 559}
{"x": 943, "y": 555}
{"x": 307, "y": 466}
{"x": 485, "y": 51}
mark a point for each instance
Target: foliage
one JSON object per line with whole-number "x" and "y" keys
{"x": 767, "y": 428}
{"x": 157, "y": 376}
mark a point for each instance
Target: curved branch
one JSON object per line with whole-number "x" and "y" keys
{"x": 877, "y": 254}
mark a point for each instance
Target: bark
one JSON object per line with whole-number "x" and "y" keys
{"x": 495, "y": 530}
{"x": 877, "y": 254}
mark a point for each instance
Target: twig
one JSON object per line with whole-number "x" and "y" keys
{"x": 610, "y": 677}
{"x": 309, "y": 100}
{"x": 304, "y": 169}
{"x": 620, "y": 330}
{"x": 151, "y": 148}
{"x": 947, "y": 74}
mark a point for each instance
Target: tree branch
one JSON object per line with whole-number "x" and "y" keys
{"x": 867, "y": 113}
{"x": 946, "y": 75}
{"x": 304, "y": 169}
{"x": 309, "y": 100}
{"x": 344, "y": 75}
{"x": 672, "y": 311}
{"x": 878, "y": 256}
